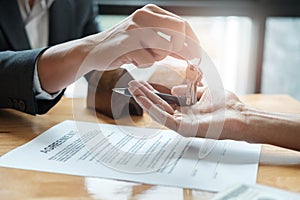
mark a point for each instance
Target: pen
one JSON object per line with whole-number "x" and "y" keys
{"x": 171, "y": 99}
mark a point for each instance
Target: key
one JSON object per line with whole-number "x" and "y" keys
{"x": 193, "y": 77}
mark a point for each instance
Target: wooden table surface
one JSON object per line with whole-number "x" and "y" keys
{"x": 17, "y": 128}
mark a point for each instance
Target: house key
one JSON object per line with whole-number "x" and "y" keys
{"x": 193, "y": 77}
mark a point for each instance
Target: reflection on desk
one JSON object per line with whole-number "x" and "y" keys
{"x": 17, "y": 128}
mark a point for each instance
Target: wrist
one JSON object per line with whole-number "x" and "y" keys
{"x": 61, "y": 65}
{"x": 258, "y": 124}
{"x": 251, "y": 117}
{"x": 236, "y": 124}
{"x": 280, "y": 129}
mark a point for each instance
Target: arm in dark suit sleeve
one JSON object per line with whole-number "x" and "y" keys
{"x": 16, "y": 78}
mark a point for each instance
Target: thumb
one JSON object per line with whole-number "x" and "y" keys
{"x": 180, "y": 90}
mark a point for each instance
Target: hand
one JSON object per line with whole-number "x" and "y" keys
{"x": 237, "y": 120}
{"x": 195, "y": 120}
{"x": 148, "y": 35}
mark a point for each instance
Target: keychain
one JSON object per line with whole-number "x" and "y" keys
{"x": 193, "y": 77}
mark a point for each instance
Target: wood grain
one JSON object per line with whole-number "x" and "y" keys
{"x": 18, "y": 128}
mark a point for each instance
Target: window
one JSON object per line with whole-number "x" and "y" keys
{"x": 233, "y": 34}
{"x": 281, "y": 66}
{"x": 225, "y": 39}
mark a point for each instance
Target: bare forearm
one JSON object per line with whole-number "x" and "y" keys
{"x": 273, "y": 128}
{"x": 60, "y": 65}
{"x": 134, "y": 40}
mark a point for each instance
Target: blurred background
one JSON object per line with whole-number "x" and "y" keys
{"x": 255, "y": 44}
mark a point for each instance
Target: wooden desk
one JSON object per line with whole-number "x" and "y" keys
{"x": 18, "y": 128}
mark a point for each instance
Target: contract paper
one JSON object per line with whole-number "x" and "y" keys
{"x": 106, "y": 151}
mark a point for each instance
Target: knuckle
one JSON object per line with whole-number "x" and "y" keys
{"x": 138, "y": 14}
{"x": 131, "y": 26}
{"x": 150, "y": 6}
{"x": 182, "y": 23}
{"x": 185, "y": 21}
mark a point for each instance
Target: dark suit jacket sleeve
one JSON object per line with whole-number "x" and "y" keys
{"x": 69, "y": 19}
{"x": 91, "y": 26}
{"x": 16, "y": 78}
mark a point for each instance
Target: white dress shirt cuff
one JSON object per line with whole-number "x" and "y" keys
{"x": 40, "y": 94}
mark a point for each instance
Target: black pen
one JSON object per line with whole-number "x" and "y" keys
{"x": 171, "y": 99}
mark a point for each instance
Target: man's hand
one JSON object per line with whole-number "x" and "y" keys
{"x": 146, "y": 36}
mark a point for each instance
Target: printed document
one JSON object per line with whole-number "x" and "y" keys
{"x": 151, "y": 156}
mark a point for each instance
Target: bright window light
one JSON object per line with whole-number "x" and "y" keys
{"x": 225, "y": 39}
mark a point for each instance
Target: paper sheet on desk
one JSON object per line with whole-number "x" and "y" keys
{"x": 60, "y": 150}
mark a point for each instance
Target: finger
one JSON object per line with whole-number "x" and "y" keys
{"x": 171, "y": 27}
{"x": 137, "y": 89}
{"x": 160, "y": 88}
{"x": 157, "y": 9}
{"x": 147, "y": 18}
{"x": 191, "y": 38}
{"x": 157, "y": 44}
{"x": 157, "y": 113}
{"x": 134, "y": 48}
{"x": 159, "y": 54}
{"x": 153, "y": 97}
{"x": 188, "y": 28}
{"x": 185, "y": 41}
{"x": 180, "y": 90}
{"x": 191, "y": 50}
{"x": 147, "y": 85}
{"x": 140, "y": 58}
{"x": 177, "y": 124}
